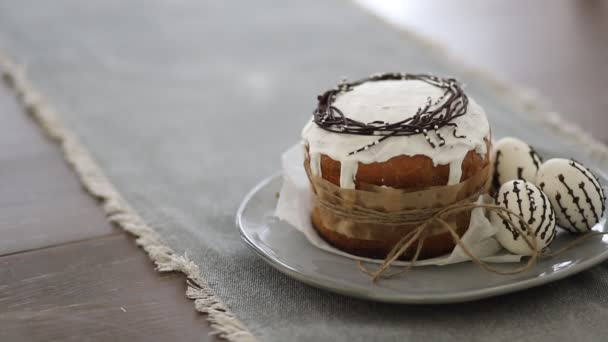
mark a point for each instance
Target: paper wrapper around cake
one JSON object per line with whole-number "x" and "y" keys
{"x": 375, "y": 240}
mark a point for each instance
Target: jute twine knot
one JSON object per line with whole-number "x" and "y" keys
{"x": 423, "y": 218}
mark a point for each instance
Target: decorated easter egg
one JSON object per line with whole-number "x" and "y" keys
{"x": 530, "y": 204}
{"x": 576, "y": 194}
{"x": 514, "y": 159}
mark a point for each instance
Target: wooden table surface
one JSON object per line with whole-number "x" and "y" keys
{"x": 67, "y": 274}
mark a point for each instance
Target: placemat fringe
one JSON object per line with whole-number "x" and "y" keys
{"x": 222, "y": 320}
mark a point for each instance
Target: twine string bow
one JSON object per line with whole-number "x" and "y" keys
{"x": 347, "y": 208}
{"x": 426, "y": 217}
{"x": 420, "y": 233}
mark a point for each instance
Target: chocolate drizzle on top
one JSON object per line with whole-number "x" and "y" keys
{"x": 543, "y": 225}
{"x": 531, "y": 202}
{"x": 496, "y": 178}
{"x": 430, "y": 117}
{"x": 516, "y": 190}
{"x": 575, "y": 200}
{"x": 542, "y": 217}
{"x": 594, "y": 181}
{"x": 536, "y": 158}
{"x": 505, "y": 222}
{"x": 564, "y": 210}
{"x": 551, "y": 214}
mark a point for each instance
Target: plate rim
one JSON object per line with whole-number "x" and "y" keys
{"x": 452, "y": 297}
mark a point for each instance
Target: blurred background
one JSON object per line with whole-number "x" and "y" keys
{"x": 558, "y": 47}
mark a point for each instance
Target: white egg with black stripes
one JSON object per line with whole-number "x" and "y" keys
{"x": 514, "y": 159}
{"x": 576, "y": 194}
{"x": 528, "y": 203}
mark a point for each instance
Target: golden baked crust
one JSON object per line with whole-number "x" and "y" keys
{"x": 405, "y": 172}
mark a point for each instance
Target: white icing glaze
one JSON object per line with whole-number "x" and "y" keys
{"x": 393, "y": 101}
{"x": 528, "y": 201}
{"x": 455, "y": 171}
{"x": 514, "y": 159}
{"x": 348, "y": 171}
{"x": 576, "y": 194}
{"x": 315, "y": 164}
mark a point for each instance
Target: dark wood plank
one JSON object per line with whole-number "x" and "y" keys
{"x": 558, "y": 47}
{"x": 41, "y": 201}
{"x": 100, "y": 290}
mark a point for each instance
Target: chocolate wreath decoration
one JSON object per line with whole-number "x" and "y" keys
{"x": 430, "y": 117}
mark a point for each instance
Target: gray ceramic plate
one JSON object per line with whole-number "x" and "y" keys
{"x": 286, "y": 249}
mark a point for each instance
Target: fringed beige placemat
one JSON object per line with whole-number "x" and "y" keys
{"x": 116, "y": 209}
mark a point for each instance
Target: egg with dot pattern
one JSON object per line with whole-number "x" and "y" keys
{"x": 527, "y": 201}
{"x": 576, "y": 194}
{"x": 514, "y": 159}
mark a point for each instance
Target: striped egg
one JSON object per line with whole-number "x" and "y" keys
{"x": 514, "y": 159}
{"x": 576, "y": 194}
{"x": 530, "y": 204}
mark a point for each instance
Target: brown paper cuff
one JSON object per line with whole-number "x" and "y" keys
{"x": 355, "y": 213}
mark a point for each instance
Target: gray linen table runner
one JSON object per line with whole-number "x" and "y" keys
{"x": 185, "y": 105}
